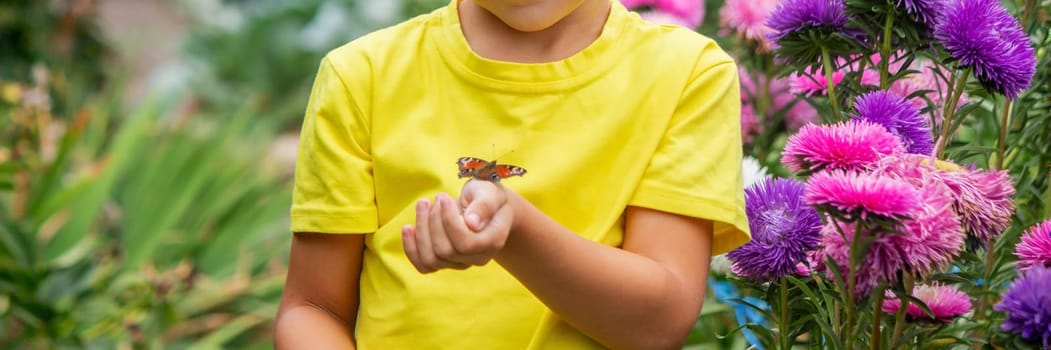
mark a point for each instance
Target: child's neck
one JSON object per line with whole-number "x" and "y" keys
{"x": 491, "y": 38}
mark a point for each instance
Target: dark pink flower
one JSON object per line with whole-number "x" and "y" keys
{"x": 861, "y": 195}
{"x": 1035, "y": 248}
{"x": 850, "y": 145}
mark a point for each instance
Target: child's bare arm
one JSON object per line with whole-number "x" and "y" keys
{"x": 644, "y": 296}
{"x": 320, "y": 302}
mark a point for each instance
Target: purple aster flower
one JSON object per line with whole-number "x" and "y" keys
{"x": 899, "y": 117}
{"x": 792, "y": 16}
{"x": 981, "y": 34}
{"x": 783, "y": 230}
{"x": 850, "y": 145}
{"x": 863, "y": 194}
{"x": 1035, "y": 248}
{"x": 945, "y": 302}
{"x": 1028, "y": 306}
{"x": 925, "y": 11}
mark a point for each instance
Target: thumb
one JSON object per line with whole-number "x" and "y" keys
{"x": 480, "y": 202}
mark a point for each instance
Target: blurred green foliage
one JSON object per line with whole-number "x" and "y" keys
{"x": 62, "y": 35}
{"x": 268, "y": 50}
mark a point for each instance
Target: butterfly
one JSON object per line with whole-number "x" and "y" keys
{"x": 485, "y": 170}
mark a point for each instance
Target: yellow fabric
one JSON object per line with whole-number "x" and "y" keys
{"x": 646, "y": 115}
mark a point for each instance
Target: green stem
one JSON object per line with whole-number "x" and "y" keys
{"x": 877, "y": 313}
{"x": 826, "y": 63}
{"x": 949, "y": 111}
{"x": 852, "y": 271}
{"x": 884, "y": 69}
{"x": 782, "y": 328}
{"x": 1001, "y": 143}
{"x": 899, "y": 317}
{"x": 983, "y": 300}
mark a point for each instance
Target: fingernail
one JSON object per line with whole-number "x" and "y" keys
{"x": 472, "y": 220}
{"x": 421, "y": 204}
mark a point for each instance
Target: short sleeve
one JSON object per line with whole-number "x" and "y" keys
{"x": 333, "y": 190}
{"x": 696, "y": 170}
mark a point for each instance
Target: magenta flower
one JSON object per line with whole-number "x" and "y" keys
{"x": 748, "y": 18}
{"x": 783, "y": 230}
{"x": 861, "y": 195}
{"x": 945, "y": 302}
{"x": 899, "y": 117}
{"x": 982, "y": 35}
{"x": 1035, "y": 248}
{"x": 687, "y": 13}
{"x": 850, "y": 145}
{"x": 1028, "y": 306}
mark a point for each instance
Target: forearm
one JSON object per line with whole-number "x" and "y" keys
{"x": 620, "y": 298}
{"x": 308, "y": 327}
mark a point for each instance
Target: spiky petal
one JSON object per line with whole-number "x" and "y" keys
{"x": 1035, "y": 248}
{"x": 898, "y": 116}
{"x": 783, "y": 230}
{"x": 1028, "y": 306}
{"x": 945, "y": 302}
{"x": 850, "y": 145}
{"x": 982, "y": 35}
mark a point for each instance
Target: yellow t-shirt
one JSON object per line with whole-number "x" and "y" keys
{"x": 647, "y": 115}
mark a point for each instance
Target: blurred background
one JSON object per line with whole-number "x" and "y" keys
{"x": 146, "y": 154}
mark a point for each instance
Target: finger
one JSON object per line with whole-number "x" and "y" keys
{"x": 453, "y": 226}
{"x": 408, "y": 241}
{"x": 497, "y": 230}
{"x": 443, "y": 250}
{"x": 425, "y": 252}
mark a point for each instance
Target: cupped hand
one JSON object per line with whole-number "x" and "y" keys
{"x": 457, "y": 234}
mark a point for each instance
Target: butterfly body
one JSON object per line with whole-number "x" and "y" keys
{"x": 482, "y": 169}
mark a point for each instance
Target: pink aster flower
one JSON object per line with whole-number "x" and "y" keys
{"x": 984, "y": 201}
{"x": 881, "y": 261}
{"x": 850, "y": 145}
{"x": 1035, "y": 248}
{"x": 748, "y": 19}
{"x": 933, "y": 235}
{"x": 861, "y": 194}
{"x": 687, "y": 13}
{"x": 945, "y": 302}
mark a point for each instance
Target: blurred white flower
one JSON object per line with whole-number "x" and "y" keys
{"x": 752, "y": 171}
{"x": 720, "y": 266}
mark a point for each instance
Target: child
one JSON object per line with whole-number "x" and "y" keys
{"x": 630, "y": 132}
